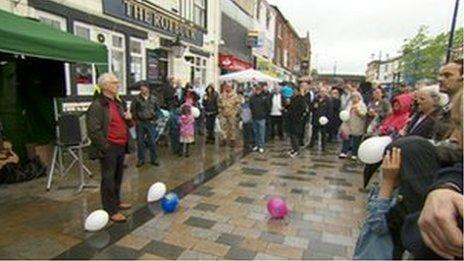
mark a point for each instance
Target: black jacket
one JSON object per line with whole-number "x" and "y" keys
{"x": 410, "y": 233}
{"x": 170, "y": 99}
{"x": 98, "y": 120}
{"x": 334, "y": 118}
{"x": 426, "y": 128}
{"x": 321, "y": 107}
{"x": 210, "y": 104}
{"x": 144, "y": 109}
{"x": 297, "y": 111}
{"x": 260, "y": 106}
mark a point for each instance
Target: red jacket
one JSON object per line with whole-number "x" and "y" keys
{"x": 399, "y": 118}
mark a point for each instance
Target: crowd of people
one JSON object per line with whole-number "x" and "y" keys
{"x": 418, "y": 204}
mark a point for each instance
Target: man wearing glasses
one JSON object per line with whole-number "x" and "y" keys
{"x": 107, "y": 127}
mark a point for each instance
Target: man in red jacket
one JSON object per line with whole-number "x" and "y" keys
{"x": 108, "y": 130}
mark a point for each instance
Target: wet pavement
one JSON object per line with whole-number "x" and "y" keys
{"x": 222, "y": 213}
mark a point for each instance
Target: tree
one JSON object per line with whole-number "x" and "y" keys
{"x": 423, "y": 54}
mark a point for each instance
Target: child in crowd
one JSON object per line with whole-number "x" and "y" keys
{"x": 187, "y": 128}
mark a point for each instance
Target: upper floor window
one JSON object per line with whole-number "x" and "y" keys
{"x": 258, "y": 10}
{"x": 268, "y": 19}
{"x": 199, "y": 13}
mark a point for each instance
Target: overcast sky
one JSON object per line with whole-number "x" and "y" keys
{"x": 347, "y": 32}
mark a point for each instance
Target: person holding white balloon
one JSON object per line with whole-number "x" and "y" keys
{"x": 321, "y": 110}
{"x": 354, "y": 126}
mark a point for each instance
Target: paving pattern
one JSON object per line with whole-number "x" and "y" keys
{"x": 226, "y": 218}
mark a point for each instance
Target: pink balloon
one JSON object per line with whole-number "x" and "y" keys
{"x": 277, "y": 207}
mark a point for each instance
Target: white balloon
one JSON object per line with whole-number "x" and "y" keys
{"x": 165, "y": 113}
{"x": 372, "y": 150}
{"x": 96, "y": 220}
{"x": 156, "y": 192}
{"x": 195, "y": 112}
{"x": 344, "y": 115}
{"x": 444, "y": 99}
{"x": 323, "y": 120}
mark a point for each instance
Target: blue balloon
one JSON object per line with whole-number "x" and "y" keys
{"x": 169, "y": 202}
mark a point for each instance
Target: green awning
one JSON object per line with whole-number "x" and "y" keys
{"x": 21, "y": 35}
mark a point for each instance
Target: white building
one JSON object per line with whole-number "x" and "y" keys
{"x": 389, "y": 71}
{"x": 264, "y": 27}
{"x": 138, "y": 34}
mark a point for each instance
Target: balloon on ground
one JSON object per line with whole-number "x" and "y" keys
{"x": 170, "y": 202}
{"x": 96, "y": 220}
{"x": 277, "y": 207}
{"x": 156, "y": 192}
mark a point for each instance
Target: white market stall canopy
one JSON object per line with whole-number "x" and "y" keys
{"x": 249, "y": 75}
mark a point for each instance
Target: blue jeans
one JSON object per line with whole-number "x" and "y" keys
{"x": 247, "y": 133}
{"x": 351, "y": 143}
{"x": 259, "y": 132}
{"x": 146, "y": 137}
{"x": 374, "y": 241}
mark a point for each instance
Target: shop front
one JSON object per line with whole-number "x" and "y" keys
{"x": 230, "y": 63}
{"x": 32, "y": 76}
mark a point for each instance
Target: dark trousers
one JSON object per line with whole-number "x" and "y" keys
{"x": 247, "y": 132}
{"x": 353, "y": 142}
{"x": 295, "y": 140}
{"x": 174, "y": 132}
{"x": 112, "y": 167}
{"x": 146, "y": 137}
{"x": 276, "y": 123}
{"x": 200, "y": 123}
{"x": 315, "y": 135}
{"x": 267, "y": 133}
{"x": 302, "y": 131}
{"x": 210, "y": 122}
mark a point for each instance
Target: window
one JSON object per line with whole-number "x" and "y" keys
{"x": 258, "y": 10}
{"x": 268, "y": 18}
{"x": 137, "y": 64}
{"x": 54, "y": 21}
{"x": 279, "y": 31}
{"x": 198, "y": 68}
{"x": 117, "y": 62}
{"x": 199, "y": 13}
{"x": 286, "y": 60}
{"x": 83, "y": 73}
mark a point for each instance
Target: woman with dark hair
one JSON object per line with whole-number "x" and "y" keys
{"x": 297, "y": 110}
{"x": 210, "y": 105}
{"x": 190, "y": 96}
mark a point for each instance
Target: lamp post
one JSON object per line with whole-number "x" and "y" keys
{"x": 178, "y": 49}
{"x": 453, "y": 25}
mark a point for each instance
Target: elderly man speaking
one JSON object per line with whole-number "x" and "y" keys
{"x": 108, "y": 130}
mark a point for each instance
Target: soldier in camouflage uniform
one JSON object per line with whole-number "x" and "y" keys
{"x": 229, "y": 105}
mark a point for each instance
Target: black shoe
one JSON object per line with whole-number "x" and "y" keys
{"x": 155, "y": 163}
{"x": 140, "y": 164}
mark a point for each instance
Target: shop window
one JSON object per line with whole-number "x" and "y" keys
{"x": 83, "y": 73}
{"x": 84, "y": 76}
{"x": 137, "y": 60}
